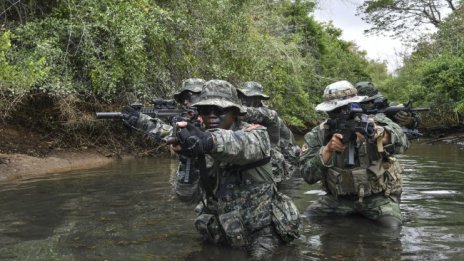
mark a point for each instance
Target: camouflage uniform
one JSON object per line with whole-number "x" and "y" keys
{"x": 371, "y": 188}
{"x": 284, "y": 152}
{"x": 244, "y": 208}
{"x": 192, "y": 85}
{"x": 157, "y": 128}
{"x": 376, "y": 98}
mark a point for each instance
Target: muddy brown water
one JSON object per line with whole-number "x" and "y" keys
{"x": 127, "y": 211}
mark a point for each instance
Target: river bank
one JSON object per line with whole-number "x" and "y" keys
{"x": 27, "y": 154}
{"x": 22, "y": 166}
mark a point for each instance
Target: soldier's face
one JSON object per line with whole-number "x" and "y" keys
{"x": 253, "y": 101}
{"x": 367, "y": 105}
{"x": 188, "y": 98}
{"x": 217, "y": 117}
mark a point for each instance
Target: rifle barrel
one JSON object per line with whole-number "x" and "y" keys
{"x": 108, "y": 115}
{"x": 420, "y": 109}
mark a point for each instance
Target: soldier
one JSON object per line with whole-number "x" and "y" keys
{"x": 190, "y": 92}
{"x": 157, "y": 128}
{"x": 375, "y": 100}
{"x": 284, "y": 152}
{"x": 240, "y": 205}
{"x": 371, "y": 184}
{"x": 187, "y": 172}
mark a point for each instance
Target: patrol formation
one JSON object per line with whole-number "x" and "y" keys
{"x": 234, "y": 151}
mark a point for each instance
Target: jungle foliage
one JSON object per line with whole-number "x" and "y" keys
{"x": 434, "y": 73}
{"x": 88, "y": 52}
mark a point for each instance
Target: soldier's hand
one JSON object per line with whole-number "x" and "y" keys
{"x": 130, "y": 116}
{"x": 193, "y": 142}
{"x": 404, "y": 118}
{"x": 335, "y": 143}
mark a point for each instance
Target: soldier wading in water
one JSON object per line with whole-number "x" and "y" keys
{"x": 370, "y": 184}
{"x": 227, "y": 169}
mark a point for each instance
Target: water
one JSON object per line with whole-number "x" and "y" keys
{"x": 127, "y": 211}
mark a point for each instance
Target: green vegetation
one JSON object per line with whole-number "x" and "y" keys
{"x": 433, "y": 74}
{"x": 116, "y": 52}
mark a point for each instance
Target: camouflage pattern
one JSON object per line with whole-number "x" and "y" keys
{"x": 289, "y": 149}
{"x": 284, "y": 151}
{"x": 368, "y": 89}
{"x": 193, "y": 84}
{"x": 154, "y": 127}
{"x": 243, "y": 201}
{"x": 251, "y": 89}
{"x": 238, "y": 210}
{"x": 219, "y": 93}
{"x": 338, "y": 94}
{"x": 313, "y": 169}
{"x": 372, "y": 207}
{"x": 267, "y": 117}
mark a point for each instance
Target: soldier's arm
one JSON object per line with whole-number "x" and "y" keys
{"x": 395, "y": 141}
{"x": 154, "y": 127}
{"x": 312, "y": 165}
{"x": 240, "y": 147}
{"x": 266, "y": 117}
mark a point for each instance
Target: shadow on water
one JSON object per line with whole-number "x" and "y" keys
{"x": 127, "y": 211}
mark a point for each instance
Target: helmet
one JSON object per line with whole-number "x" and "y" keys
{"x": 368, "y": 89}
{"x": 339, "y": 94}
{"x": 253, "y": 89}
{"x": 193, "y": 84}
{"x": 219, "y": 93}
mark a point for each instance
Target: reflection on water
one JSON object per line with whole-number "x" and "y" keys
{"x": 127, "y": 211}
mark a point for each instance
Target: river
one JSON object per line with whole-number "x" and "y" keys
{"x": 127, "y": 211}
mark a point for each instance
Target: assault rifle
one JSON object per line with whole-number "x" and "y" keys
{"x": 347, "y": 123}
{"x": 391, "y": 111}
{"x": 162, "y": 108}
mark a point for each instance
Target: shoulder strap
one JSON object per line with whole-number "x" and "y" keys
{"x": 252, "y": 165}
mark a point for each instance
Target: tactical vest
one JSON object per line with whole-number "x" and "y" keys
{"x": 242, "y": 203}
{"x": 371, "y": 174}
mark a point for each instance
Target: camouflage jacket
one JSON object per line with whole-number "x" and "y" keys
{"x": 284, "y": 151}
{"x": 266, "y": 117}
{"x": 154, "y": 127}
{"x": 312, "y": 167}
{"x": 235, "y": 186}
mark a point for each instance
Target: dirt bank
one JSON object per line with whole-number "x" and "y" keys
{"x": 20, "y": 166}
{"x": 26, "y": 154}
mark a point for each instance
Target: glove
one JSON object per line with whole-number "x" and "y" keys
{"x": 194, "y": 142}
{"x": 404, "y": 118}
{"x": 130, "y": 116}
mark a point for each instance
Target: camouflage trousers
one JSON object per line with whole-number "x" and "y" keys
{"x": 372, "y": 207}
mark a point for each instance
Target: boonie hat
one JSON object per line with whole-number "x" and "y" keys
{"x": 251, "y": 89}
{"x": 219, "y": 93}
{"x": 368, "y": 89}
{"x": 339, "y": 94}
{"x": 192, "y": 84}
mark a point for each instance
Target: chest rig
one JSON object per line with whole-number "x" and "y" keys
{"x": 370, "y": 173}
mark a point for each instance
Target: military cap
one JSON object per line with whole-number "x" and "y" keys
{"x": 339, "y": 94}
{"x": 193, "y": 84}
{"x": 368, "y": 89}
{"x": 219, "y": 93}
{"x": 251, "y": 89}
